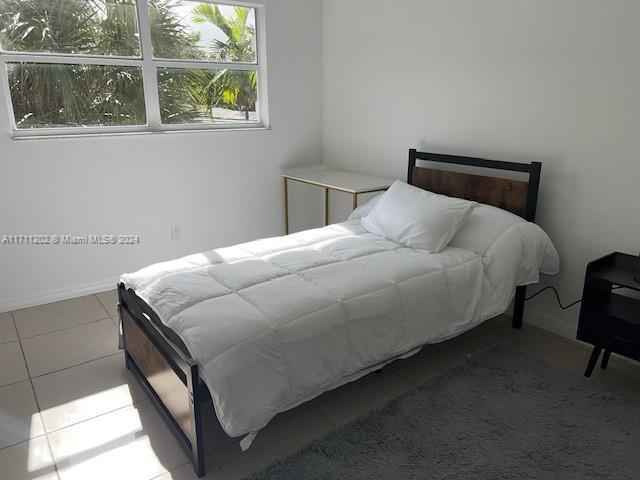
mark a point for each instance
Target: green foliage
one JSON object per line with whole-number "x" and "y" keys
{"x": 117, "y": 32}
{"x": 68, "y": 94}
{"x": 47, "y": 26}
{"x": 239, "y": 46}
{"x": 56, "y": 94}
{"x": 232, "y": 89}
{"x": 170, "y": 39}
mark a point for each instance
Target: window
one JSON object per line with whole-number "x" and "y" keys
{"x": 96, "y": 66}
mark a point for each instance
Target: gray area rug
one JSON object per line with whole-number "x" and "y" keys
{"x": 503, "y": 415}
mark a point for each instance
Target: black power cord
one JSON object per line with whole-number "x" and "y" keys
{"x": 555, "y": 291}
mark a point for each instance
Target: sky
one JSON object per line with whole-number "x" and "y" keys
{"x": 207, "y": 31}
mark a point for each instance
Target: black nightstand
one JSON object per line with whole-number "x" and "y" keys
{"x": 608, "y": 320}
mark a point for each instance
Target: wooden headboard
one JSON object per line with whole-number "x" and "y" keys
{"x": 516, "y": 196}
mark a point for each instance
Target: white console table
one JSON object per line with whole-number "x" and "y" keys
{"x": 354, "y": 184}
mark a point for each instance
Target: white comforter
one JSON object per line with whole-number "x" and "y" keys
{"x": 276, "y": 322}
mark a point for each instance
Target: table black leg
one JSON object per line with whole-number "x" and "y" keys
{"x": 605, "y": 359}
{"x": 593, "y": 360}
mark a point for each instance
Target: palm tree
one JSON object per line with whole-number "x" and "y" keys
{"x": 234, "y": 89}
{"x": 70, "y": 94}
{"x": 240, "y": 32}
{"x": 116, "y": 33}
{"x": 170, "y": 39}
{"x": 36, "y": 26}
{"x": 60, "y": 26}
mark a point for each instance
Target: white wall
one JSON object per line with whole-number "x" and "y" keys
{"x": 550, "y": 80}
{"x": 220, "y": 187}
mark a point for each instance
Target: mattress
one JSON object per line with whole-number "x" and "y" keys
{"x": 276, "y": 322}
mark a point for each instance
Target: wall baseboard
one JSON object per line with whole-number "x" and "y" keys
{"x": 7, "y": 305}
{"x": 550, "y": 324}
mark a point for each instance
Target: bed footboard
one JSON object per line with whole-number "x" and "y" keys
{"x": 169, "y": 377}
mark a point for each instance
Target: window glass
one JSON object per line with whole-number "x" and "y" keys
{"x": 207, "y": 96}
{"x": 68, "y": 65}
{"x": 202, "y": 31}
{"x": 79, "y": 27}
{"x": 64, "y": 95}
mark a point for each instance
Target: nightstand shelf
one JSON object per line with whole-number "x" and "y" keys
{"x": 622, "y": 308}
{"x": 608, "y": 320}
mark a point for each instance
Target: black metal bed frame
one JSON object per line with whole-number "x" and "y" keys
{"x": 132, "y": 308}
{"x": 172, "y": 378}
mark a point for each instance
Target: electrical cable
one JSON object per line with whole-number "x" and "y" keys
{"x": 555, "y": 291}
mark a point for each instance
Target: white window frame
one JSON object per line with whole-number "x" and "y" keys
{"x": 149, "y": 66}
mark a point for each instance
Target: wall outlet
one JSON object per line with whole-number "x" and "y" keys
{"x": 176, "y": 233}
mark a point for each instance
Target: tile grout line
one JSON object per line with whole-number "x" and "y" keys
{"x": 76, "y": 365}
{"x": 35, "y": 398}
{"x": 47, "y": 432}
{"x": 24, "y": 358}
{"x": 15, "y": 329}
{"x": 62, "y": 329}
{"x": 14, "y": 383}
{"x": 23, "y": 441}
{"x": 133, "y": 404}
{"x": 32, "y": 377}
{"x": 102, "y": 305}
{"x": 568, "y": 342}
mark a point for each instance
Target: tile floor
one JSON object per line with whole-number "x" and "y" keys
{"x": 70, "y": 410}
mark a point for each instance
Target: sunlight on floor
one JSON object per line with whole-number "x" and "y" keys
{"x": 86, "y": 407}
{"x": 104, "y": 435}
{"x": 38, "y": 458}
{"x": 127, "y": 443}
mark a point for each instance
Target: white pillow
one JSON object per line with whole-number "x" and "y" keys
{"x": 364, "y": 209}
{"x": 483, "y": 229}
{"x": 417, "y": 218}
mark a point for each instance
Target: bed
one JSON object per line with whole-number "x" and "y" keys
{"x": 259, "y": 328}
